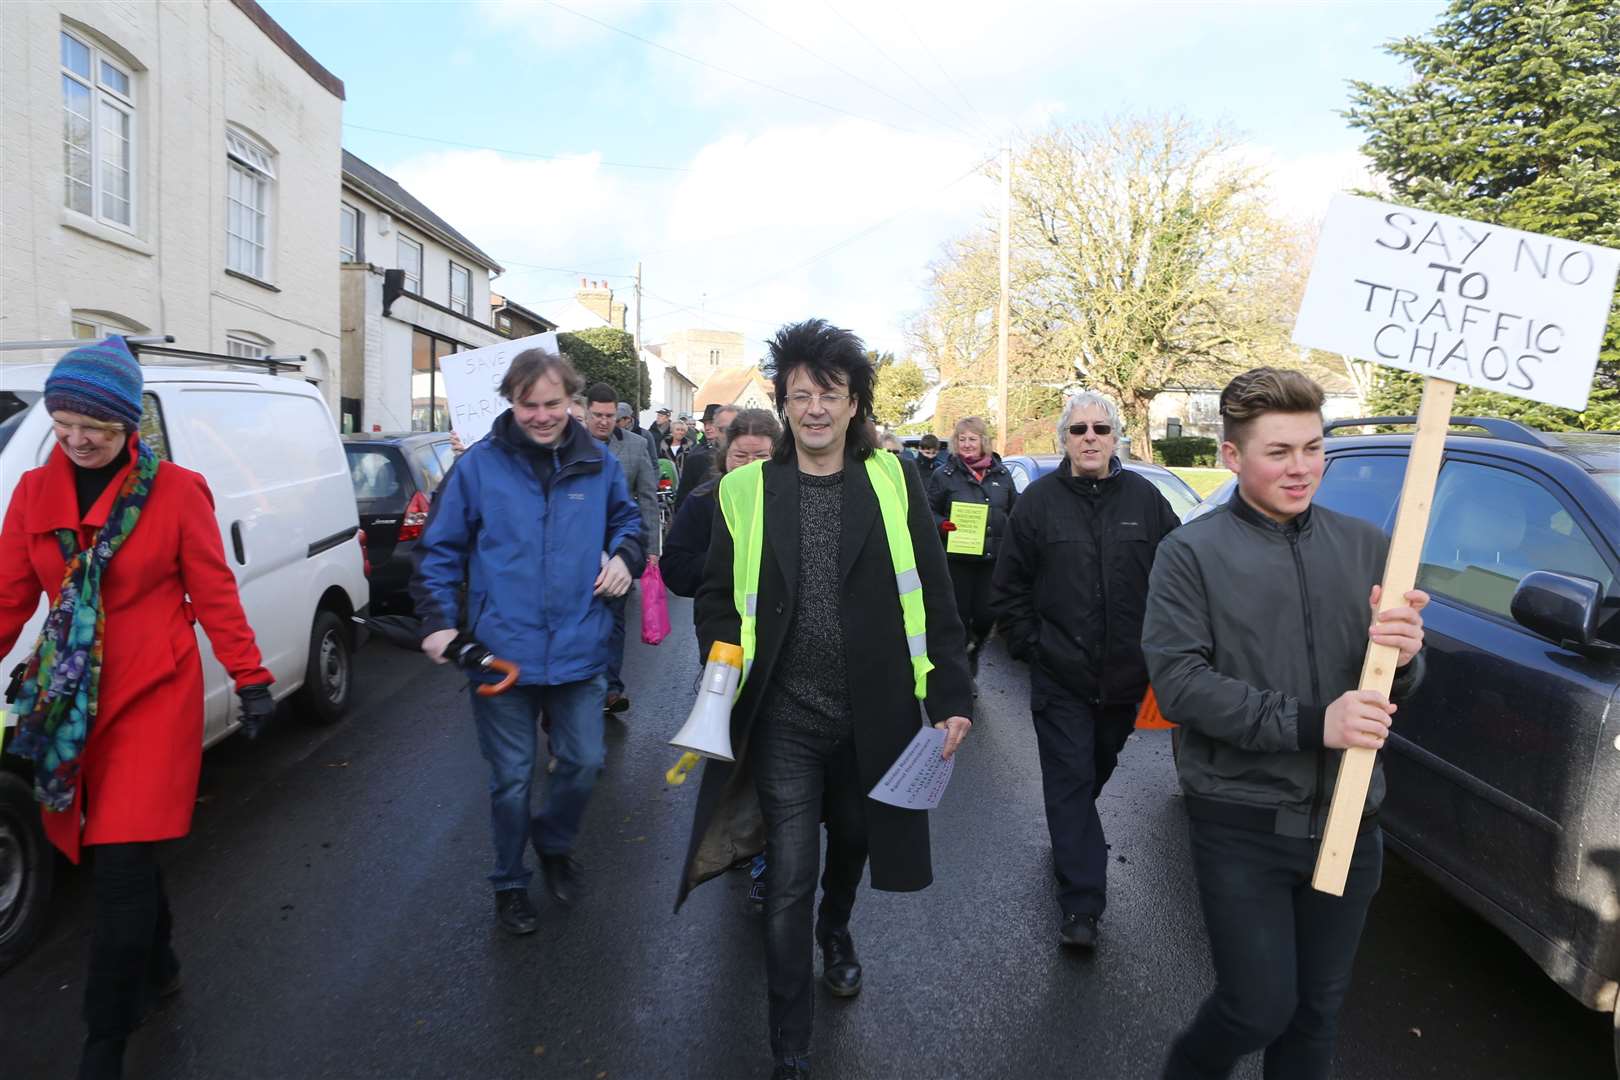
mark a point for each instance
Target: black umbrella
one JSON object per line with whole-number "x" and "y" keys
{"x": 465, "y": 651}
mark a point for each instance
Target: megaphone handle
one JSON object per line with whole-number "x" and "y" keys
{"x": 506, "y": 667}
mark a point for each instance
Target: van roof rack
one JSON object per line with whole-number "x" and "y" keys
{"x": 1494, "y": 426}
{"x": 269, "y": 364}
{"x": 157, "y": 345}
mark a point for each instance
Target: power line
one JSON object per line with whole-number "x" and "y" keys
{"x": 839, "y": 67}
{"x": 897, "y": 65}
{"x": 931, "y": 55}
{"x": 824, "y": 252}
{"x": 564, "y": 269}
{"x": 727, "y": 71}
{"x": 515, "y": 153}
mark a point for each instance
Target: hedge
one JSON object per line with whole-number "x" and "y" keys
{"x": 1188, "y": 451}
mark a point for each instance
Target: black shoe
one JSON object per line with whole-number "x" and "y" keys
{"x": 840, "y": 968}
{"x": 515, "y": 912}
{"x": 615, "y": 703}
{"x": 103, "y": 1059}
{"x": 562, "y": 874}
{"x": 792, "y": 1067}
{"x": 1079, "y": 931}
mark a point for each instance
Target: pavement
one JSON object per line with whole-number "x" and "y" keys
{"x": 334, "y": 921}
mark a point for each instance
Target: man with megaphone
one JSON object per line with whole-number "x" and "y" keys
{"x": 826, "y": 572}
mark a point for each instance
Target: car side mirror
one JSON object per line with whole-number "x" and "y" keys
{"x": 1559, "y": 606}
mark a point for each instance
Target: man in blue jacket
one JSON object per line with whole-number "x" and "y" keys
{"x": 537, "y": 522}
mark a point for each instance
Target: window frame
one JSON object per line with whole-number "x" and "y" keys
{"x": 100, "y": 326}
{"x": 1558, "y": 493}
{"x": 355, "y": 253}
{"x": 250, "y": 162}
{"x": 435, "y": 384}
{"x": 464, "y": 306}
{"x": 101, "y": 96}
{"x": 421, "y": 263}
{"x": 246, "y": 345}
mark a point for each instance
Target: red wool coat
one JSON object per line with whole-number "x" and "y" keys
{"x": 138, "y": 772}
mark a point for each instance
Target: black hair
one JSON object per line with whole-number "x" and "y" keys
{"x": 831, "y": 356}
{"x": 929, "y": 441}
{"x": 600, "y": 392}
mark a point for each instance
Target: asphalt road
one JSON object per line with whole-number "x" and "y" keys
{"x": 334, "y": 921}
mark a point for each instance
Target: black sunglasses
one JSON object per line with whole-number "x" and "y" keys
{"x": 1080, "y": 428}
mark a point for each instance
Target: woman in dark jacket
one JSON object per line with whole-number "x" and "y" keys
{"x": 749, "y": 437}
{"x": 109, "y": 708}
{"x": 972, "y": 474}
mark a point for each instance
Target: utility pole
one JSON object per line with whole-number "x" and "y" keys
{"x": 639, "y": 360}
{"x": 1002, "y": 421}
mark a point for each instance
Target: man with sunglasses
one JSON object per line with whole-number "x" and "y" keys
{"x": 1070, "y": 588}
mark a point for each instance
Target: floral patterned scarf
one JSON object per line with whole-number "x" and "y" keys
{"x": 56, "y": 705}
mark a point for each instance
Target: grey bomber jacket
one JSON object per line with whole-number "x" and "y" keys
{"x": 1252, "y": 630}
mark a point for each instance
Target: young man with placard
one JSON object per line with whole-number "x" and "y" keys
{"x": 1258, "y": 618}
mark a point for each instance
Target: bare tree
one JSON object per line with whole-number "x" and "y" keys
{"x": 1148, "y": 260}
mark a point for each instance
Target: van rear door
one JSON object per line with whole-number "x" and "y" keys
{"x": 281, "y": 494}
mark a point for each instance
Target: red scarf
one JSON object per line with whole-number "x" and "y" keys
{"x": 977, "y": 466}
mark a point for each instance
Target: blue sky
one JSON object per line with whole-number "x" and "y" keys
{"x": 828, "y": 189}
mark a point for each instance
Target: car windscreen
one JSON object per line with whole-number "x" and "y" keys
{"x": 378, "y": 477}
{"x": 1181, "y": 499}
{"x": 13, "y": 408}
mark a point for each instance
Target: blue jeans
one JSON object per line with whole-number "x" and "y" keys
{"x": 508, "y": 738}
{"x": 615, "y": 645}
{"x": 1079, "y": 747}
{"x": 1283, "y": 952}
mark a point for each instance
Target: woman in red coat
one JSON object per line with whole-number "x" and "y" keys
{"x": 110, "y": 709}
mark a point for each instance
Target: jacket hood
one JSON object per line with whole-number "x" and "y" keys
{"x": 576, "y": 446}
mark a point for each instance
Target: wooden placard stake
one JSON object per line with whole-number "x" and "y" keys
{"x": 1378, "y": 670}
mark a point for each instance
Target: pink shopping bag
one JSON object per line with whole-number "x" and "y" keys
{"x": 654, "y": 607}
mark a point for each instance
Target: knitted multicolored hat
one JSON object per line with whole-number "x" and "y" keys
{"x": 101, "y": 381}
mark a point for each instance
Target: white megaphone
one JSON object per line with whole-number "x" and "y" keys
{"x": 707, "y": 730}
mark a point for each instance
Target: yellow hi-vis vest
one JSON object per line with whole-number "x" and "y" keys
{"x": 742, "y": 501}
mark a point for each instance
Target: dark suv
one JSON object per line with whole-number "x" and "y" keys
{"x": 395, "y": 477}
{"x": 1504, "y": 776}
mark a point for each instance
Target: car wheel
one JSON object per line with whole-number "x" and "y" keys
{"x": 27, "y": 870}
{"x": 330, "y": 671}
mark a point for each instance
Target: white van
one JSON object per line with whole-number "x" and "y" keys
{"x": 285, "y": 504}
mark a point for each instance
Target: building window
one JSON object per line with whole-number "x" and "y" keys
{"x": 504, "y": 323}
{"x": 430, "y": 408}
{"x": 460, "y": 290}
{"x": 98, "y": 133}
{"x": 350, "y": 245}
{"x": 250, "y": 172}
{"x": 92, "y": 326}
{"x": 245, "y": 346}
{"x": 410, "y": 261}
{"x": 714, "y": 357}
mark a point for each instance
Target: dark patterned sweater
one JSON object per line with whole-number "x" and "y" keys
{"x": 810, "y": 689}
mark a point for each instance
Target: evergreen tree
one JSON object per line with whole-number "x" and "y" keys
{"x": 1512, "y": 117}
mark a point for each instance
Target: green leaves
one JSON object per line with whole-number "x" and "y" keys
{"x": 1513, "y": 117}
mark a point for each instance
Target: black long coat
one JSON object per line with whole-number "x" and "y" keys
{"x": 727, "y": 825}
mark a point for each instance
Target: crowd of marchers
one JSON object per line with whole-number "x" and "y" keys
{"x": 860, "y": 586}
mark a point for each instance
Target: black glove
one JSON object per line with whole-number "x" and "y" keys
{"x": 257, "y": 708}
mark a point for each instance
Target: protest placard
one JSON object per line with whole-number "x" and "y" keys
{"x": 1460, "y": 302}
{"x": 472, "y": 380}
{"x": 971, "y": 521}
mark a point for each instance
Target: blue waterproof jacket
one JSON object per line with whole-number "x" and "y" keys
{"x": 529, "y": 551}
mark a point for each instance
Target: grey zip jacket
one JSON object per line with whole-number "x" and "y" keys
{"x": 1252, "y": 630}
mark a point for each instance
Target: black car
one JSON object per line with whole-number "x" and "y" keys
{"x": 395, "y": 477}
{"x": 1504, "y": 775}
{"x": 1026, "y": 469}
